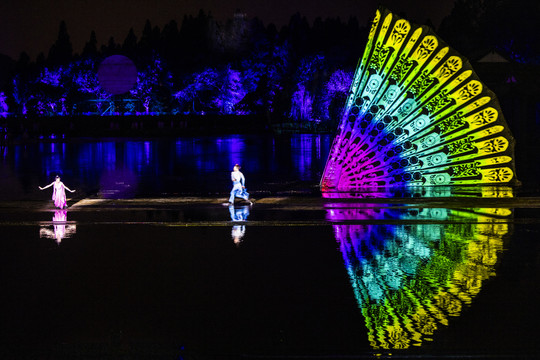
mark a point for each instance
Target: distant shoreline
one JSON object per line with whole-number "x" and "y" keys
{"x": 21, "y": 129}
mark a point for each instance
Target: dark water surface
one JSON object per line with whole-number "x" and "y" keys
{"x": 147, "y": 262}
{"x": 164, "y": 167}
{"x": 99, "y": 287}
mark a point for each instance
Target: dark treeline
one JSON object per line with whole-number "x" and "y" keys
{"x": 301, "y": 71}
{"x": 197, "y": 66}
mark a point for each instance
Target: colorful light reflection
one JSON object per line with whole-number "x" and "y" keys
{"x": 60, "y": 230}
{"x": 410, "y": 279}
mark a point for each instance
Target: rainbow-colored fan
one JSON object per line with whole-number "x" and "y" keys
{"x": 411, "y": 279}
{"x": 417, "y": 114}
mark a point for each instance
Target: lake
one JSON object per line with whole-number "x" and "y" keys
{"x": 164, "y": 167}
{"x": 147, "y": 262}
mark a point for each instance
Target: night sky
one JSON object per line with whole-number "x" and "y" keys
{"x": 32, "y": 25}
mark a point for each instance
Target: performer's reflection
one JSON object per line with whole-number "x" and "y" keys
{"x": 60, "y": 229}
{"x": 238, "y": 213}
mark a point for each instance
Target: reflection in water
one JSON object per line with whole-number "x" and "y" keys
{"x": 170, "y": 165}
{"x": 425, "y": 192}
{"x": 238, "y": 213}
{"x": 60, "y": 228}
{"x": 118, "y": 184}
{"x": 411, "y": 279}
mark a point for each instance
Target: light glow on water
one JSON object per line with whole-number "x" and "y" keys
{"x": 191, "y": 164}
{"x": 410, "y": 280}
{"x": 60, "y": 228}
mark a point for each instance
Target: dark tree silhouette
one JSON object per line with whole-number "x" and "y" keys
{"x": 61, "y": 51}
{"x": 111, "y": 48}
{"x": 90, "y": 48}
{"x": 129, "y": 47}
{"x": 149, "y": 41}
{"x": 512, "y": 26}
{"x": 170, "y": 43}
{"x": 263, "y": 70}
{"x": 509, "y": 26}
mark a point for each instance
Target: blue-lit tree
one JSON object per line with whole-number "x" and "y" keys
{"x": 21, "y": 94}
{"x": 264, "y": 73}
{"x": 334, "y": 95}
{"x": 301, "y": 104}
{"x": 196, "y": 95}
{"x": 48, "y": 93}
{"x": 85, "y": 78}
{"x": 86, "y": 86}
{"x": 238, "y": 68}
{"x": 152, "y": 87}
{"x": 230, "y": 91}
{"x": 3, "y": 104}
{"x": 307, "y": 76}
{"x": 212, "y": 90}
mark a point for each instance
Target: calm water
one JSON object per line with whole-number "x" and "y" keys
{"x": 118, "y": 277}
{"x": 128, "y": 168}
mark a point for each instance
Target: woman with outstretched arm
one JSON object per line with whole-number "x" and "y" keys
{"x": 59, "y": 193}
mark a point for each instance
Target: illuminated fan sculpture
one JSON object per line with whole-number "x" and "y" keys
{"x": 417, "y": 114}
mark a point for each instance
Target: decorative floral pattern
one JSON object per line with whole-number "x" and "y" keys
{"x": 400, "y": 30}
{"x": 433, "y": 104}
{"x": 411, "y": 280}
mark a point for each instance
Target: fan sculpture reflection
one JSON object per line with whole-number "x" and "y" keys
{"x": 411, "y": 279}
{"x": 417, "y": 114}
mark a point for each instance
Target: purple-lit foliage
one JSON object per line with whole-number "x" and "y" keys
{"x": 3, "y": 104}
{"x": 301, "y": 103}
{"x": 251, "y": 87}
{"x": 231, "y": 91}
{"x": 300, "y": 72}
{"x": 217, "y": 91}
{"x": 335, "y": 94}
{"x": 51, "y": 77}
{"x": 307, "y": 77}
{"x": 45, "y": 93}
{"x": 86, "y": 85}
{"x": 193, "y": 97}
{"x": 86, "y": 80}
{"x": 149, "y": 89}
{"x": 200, "y": 68}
